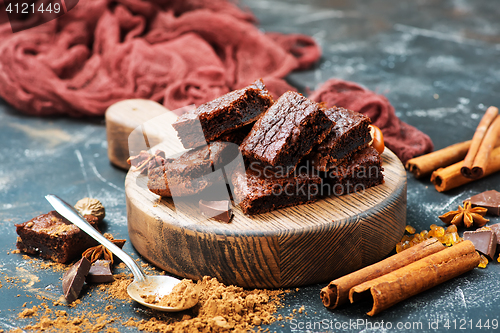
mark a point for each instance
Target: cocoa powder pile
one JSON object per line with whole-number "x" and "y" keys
{"x": 184, "y": 294}
{"x": 221, "y": 308}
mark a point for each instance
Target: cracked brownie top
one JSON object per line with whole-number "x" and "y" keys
{"x": 286, "y": 132}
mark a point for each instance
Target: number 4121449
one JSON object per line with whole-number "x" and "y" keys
{"x": 30, "y": 8}
{"x": 463, "y": 324}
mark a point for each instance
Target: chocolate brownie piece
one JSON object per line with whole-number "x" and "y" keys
{"x": 286, "y": 132}
{"x": 193, "y": 171}
{"x": 350, "y": 134}
{"x": 236, "y": 136}
{"x": 226, "y": 113}
{"x": 52, "y": 236}
{"x": 364, "y": 170}
{"x": 257, "y": 191}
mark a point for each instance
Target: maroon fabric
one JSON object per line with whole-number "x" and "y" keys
{"x": 404, "y": 140}
{"x": 174, "y": 52}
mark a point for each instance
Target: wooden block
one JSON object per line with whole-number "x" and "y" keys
{"x": 289, "y": 247}
{"x": 137, "y": 124}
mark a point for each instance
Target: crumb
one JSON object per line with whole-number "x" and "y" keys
{"x": 28, "y": 312}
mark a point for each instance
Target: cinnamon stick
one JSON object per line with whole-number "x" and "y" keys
{"x": 490, "y": 115}
{"x": 445, "y": 179}
{"x": 337, "y": 291}
{"x": 419, "y": 276}
{"x": 483, "y": 155}
{"x": 424, "y": 165}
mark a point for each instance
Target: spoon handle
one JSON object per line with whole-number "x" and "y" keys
{"x": 71, "y": 214}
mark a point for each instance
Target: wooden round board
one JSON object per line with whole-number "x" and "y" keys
{"x": 289, "y": 247}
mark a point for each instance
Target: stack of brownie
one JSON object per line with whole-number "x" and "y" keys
{"x": 214, "y": 131}
{"x": 295, "y": 150}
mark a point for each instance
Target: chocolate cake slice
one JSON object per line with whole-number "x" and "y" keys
{"x": 349, "y": 135}
{"x": 236, "y": 136}
{"x": 231, "y": 111}
{"x": 52, "y": 236}
{"x": 258, "y": 192}
{"x": 363, "y": 171}
{"x": 286, "y": 132}
{"x": 193, "y": 171}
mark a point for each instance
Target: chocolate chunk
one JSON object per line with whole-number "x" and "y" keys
{"x": 496, "y": 229}
{"x": 74, "y": 279}
{"x": 485, "y": 241}
{"x": 489, "y": 200}
{"x": 219, "y": 210}
{"x": 100, "y": 272}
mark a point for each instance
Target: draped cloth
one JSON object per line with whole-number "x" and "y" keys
{"x": 404, "y": 140}
{"x": 174, "y": 52}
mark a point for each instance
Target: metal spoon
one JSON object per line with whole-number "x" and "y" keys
{"x": 143, "y": 285}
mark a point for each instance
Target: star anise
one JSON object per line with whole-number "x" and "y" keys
{"x": 466, "y": 216}
{"x": 145, "y": 161}
{"x": 100, "y": 252}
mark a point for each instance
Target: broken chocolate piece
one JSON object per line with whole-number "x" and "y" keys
{"x": 219, "y": 210}
{"x": 100, "y": 272}
{"x": 496, "y": 229}
{"x": 489, "y": 200}
{"x": 74, "y": 279}
{"x": 485, "y": 241}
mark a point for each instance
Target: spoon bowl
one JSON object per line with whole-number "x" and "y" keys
{"x": 144, "y": 286}
{"x": 157, "y": 286}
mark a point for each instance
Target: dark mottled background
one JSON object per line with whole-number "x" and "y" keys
{"x": 436, "y": 61}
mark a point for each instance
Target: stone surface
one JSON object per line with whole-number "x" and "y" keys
{"x": 436, "y": 61}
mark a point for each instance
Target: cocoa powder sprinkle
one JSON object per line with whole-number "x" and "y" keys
{"x": 221, "y": 308}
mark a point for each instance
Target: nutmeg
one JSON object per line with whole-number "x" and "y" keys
{"x": 89, "y": 206}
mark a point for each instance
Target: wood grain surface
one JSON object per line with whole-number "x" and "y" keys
{"x": 133, "y": 125}
{"x": 293, "y": 246}
{"x": 289, "y": 247}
